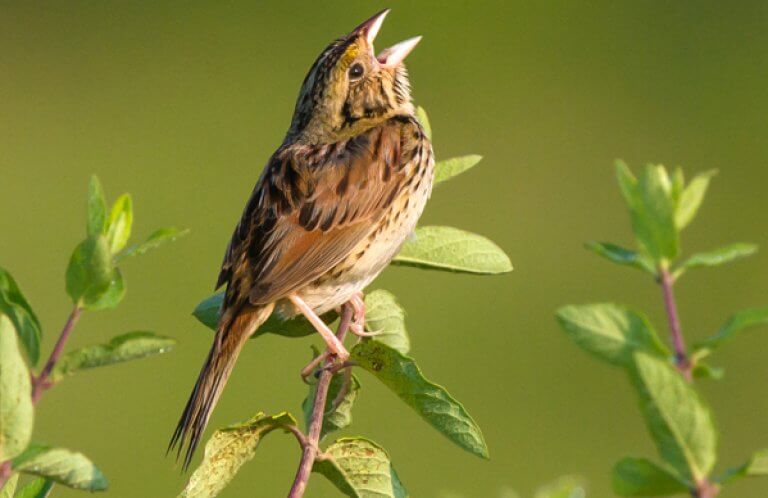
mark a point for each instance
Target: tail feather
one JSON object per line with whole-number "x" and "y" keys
{"x": 230, "y": 339}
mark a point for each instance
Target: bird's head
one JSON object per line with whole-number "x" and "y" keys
{"x": 350, "y": 88}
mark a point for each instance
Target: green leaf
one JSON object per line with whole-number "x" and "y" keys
{"x": 125, "y": 347}
{"x": 360, "y": 468}
{"x": 15, "y": 306}
{"x": 564, "y": 487}
{"x": 62, "y": 466}
{"x": 97, "y": 209}
{"x": 610, "y": 332}
{"x": 120, "y": 221}
{"x": 89, "y": 273}
{"x": 342, "y": 394}
{"x": 756, "y": 466}
{"x": 37, "y": 488}
{"x": 9, "y": 488}
{"x": 678, "y": 184}
{"x": 691, "y": 198}
{"x": 111, "y": 297}
{"x": 653, "y": 212}
{"x": 641, "y": 477}
{"x": 16, "y": 412}
{"x": 703, "y": 370}
{"x": 229, "y": 449}
{"x": 739, "y": 321}
{"x": 680, "y": 423}
{"x": 622, "y": 256}
{"x": 438, "y": 408}
{"x": 718, "y": 256}
{"x": 448, "y": 168}
{"x": 451, "y": 249}
{"x": 158, "y": 238}
{"x": 385, "y": 316}
{"x": 207, "y": 312}
{"x": 627, "y": 183}
{"x": 421, "y": 115}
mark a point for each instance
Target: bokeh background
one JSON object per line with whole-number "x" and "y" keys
{"x": 181, "y": 103}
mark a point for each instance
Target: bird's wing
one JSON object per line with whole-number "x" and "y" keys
{"x": 310, "y": 208}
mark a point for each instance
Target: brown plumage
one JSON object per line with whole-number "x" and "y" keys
{"x": 330, "y": 210}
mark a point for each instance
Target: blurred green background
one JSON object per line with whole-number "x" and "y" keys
{"x": 181, "y": 103}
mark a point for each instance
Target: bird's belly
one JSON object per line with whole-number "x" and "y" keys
{"x": 370, "y": 256}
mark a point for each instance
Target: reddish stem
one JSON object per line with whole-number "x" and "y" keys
{"x": 682, "y": 361}
{"x": 318, "y": 411}
{"x": 705, "y": 489}
{"x": 42, "y": 381}
{"x": 5, "y": 473}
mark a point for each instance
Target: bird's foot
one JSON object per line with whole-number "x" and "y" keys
{"x": 333, "y": 362}
{"x": 357, "y": 326}
{"x": 359, "y": 330}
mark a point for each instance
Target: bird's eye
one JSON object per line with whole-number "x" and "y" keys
{"x": 356, "y": 71}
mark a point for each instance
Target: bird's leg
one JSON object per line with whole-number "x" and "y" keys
{"x": 307, "y": 371}
{"x": 345, "y": 313}
{"x": 357, "y": 326}
{"x": 334, "y": 344}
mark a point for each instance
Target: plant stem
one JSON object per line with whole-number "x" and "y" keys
{"x": 318, "y": 411}
{"x": 41, "y": 382}
{"x": 705, "y": 489}
{"x": 682, "y": 361}
{"x": 300, "y": 437}
{"x": 5, "y": 473}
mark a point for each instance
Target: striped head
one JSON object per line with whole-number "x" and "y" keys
{"x": 350, "y": 88}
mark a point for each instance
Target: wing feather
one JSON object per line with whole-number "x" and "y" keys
{"x": 310, "y": 208}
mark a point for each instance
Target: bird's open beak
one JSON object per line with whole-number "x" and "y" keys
{"x": 372, "y": 26}
{"x": 394, "y": 55}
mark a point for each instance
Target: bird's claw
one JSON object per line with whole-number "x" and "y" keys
{"x": 359, "y": 330}
{"x": 335, "y": 363}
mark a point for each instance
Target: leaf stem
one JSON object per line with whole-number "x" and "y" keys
{"x": 42, "y": 382}
{"x": 682, "y": 361}
{"x": 318, "y": 411}
{"x": 300, "y": 437}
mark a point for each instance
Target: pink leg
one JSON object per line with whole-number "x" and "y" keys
{"x": 358, "y": 325}
{"x": 310, "y": 368}
{"x": 334, "y": 344}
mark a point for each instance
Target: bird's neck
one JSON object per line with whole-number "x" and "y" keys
{"x": 328, "y": 131}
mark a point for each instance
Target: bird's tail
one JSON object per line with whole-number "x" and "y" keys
{"x": 231, "y": 336}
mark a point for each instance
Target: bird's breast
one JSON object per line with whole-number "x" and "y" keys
{"x": 376, "y": 251}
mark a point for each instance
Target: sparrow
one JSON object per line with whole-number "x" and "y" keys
{"x": 332, "y": 207}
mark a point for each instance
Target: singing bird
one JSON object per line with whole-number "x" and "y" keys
{"x": 330, "y": 210}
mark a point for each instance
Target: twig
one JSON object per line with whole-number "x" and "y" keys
{"x": 682, "y": 361}
{"x": 42, "y": 382}
{"x": 316, "y": 421}
{"x": 300, "y": 437}
{"x": 704, "y": 488}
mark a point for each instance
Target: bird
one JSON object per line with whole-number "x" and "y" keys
{"x": 330, "y": 210}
